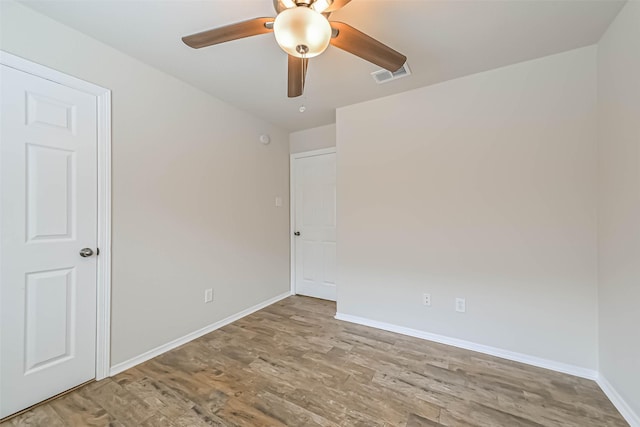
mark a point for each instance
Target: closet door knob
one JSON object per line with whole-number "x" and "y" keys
{"x": 85, "y": 252}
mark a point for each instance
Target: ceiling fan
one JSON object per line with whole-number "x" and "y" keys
{"x": 302, "y": 30}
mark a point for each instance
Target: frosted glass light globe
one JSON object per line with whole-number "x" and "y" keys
{"x": 302, "y": 32}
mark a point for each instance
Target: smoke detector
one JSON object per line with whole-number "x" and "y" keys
{"x": 384, "y": 76}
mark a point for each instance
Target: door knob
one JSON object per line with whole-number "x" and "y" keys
{"x": 297, "y": 233}
{"x": 85, "y": 252}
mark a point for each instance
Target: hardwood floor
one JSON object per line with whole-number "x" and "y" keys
{"x": 292, "y": 364}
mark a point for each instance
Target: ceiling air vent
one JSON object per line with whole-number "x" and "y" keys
{"x": 384, "y": 76}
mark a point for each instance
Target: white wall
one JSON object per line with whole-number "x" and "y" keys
{"x": 313, "y": 139}
{"x": 193, "y": 190}
{"x": 619, "y": 207}
{"x": 481, "y": 187}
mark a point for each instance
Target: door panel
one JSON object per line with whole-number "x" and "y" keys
{"x": 48, "y": 209}
{"x": 42, "y": 110}
{"x": 50, "y": 312}
{"x": 50, "y": 185}
{"x": 329, "y": 257}
{"x": 315, "y": 219}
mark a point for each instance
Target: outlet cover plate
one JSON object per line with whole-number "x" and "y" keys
{"x": 426, "y": 299}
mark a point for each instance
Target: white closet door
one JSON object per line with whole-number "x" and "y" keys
{"x": 315, "y": 220}
{"x": 48, "y": 209}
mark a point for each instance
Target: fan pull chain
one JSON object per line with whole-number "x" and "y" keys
{"x": 303, "y": 76}
{"x": 302, "y": 64}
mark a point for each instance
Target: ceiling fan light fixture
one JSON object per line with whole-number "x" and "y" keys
{"x": 302, "y": 32}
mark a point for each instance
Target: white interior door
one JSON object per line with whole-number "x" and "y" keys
{"x": 315, "y": 220}
{"x": 48, "y": 208}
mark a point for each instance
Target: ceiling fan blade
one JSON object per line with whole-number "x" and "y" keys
{"x": 337, "y": 4}
{"x": 366, "y": 47}
{"x": 239, "y": 30}
{"x": 297, "y": 75}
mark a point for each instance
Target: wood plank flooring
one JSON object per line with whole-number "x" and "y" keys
{"x": 292, "y": 364}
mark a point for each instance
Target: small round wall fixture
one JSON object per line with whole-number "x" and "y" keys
{"x": 265, "y": 139}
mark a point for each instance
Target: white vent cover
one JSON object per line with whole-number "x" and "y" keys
{"x": 384, "y": 76}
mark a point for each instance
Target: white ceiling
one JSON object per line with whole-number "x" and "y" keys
{"x": 442, "y": 40}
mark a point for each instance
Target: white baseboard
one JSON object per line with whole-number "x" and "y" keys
{"x": 480, "y": 348}
{"x": 621, "y": 405}
{"x": 127, "y": 364}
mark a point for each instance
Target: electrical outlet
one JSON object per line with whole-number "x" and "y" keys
{"x": 461, "y": 305}
{"x": 426, "y": 299}
{"x": 208, "y": 295}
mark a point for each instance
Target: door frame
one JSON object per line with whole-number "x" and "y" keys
{"x": 292, "y": 205}
{"x": 103, "y": 261}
